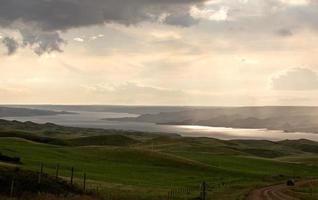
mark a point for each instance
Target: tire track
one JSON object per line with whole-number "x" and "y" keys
{"x": 276, "y": 192}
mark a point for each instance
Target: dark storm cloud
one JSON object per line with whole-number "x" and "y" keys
{"x": 10, "y": 44}
{"x": 181, "y": 20}
{"x": 48, "y": 17}
{"x": 42, "y": 42}
{"x": 65, "y": 14}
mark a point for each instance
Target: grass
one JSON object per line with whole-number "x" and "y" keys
{"x": 115, "y": 140}
{"x": 130, "y": 165}
{"x": 308, "y": 191}
{"x": 145, "y": 174}
{"x": 27, "y": 182}
{"x": 119, "y": 165}
{"x": 252, "y": 165}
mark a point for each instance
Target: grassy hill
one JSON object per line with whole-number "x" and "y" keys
{"x": 62, "y": 132}
{"x": 130, "y": 165}
{"x": 111, "y": 140}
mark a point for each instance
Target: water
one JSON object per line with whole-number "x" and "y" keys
{"x": 94, "y": 120}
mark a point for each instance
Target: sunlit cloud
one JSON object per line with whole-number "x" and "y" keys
{"x": 78, "y": 39}
{"x": 209, "y": 14}
{"x": 296, "y": 2}
{"x": 95, "y": 37}
{"x": 165, "y": 35}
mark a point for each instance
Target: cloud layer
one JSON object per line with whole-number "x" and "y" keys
{"x": 48, "y": 17}
{"x": 65, "y": 14}
{"x": 296, "y": 79}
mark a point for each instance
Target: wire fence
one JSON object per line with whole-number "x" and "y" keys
{"x": 43, "y": 180}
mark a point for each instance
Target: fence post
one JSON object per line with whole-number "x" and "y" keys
{"x": 12, "y": 188}
{"x": 40, "y": 174}
{"x": 311, "y": 189}
{"x": 84, "y": 182}
{"x": 204, "y": 190}
{"x": 187, "y": 192}
{"x": 72, "y": 174}
{"x": 57, "y": 171}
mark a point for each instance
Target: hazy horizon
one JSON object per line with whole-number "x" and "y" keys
{"x": 158, "y": 105}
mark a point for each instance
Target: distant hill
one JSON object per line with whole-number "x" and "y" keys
{"x": 52, "y": 134}
{"x": 113, "y": 108}
{"x": 55, "y": 134}
{"x": 24, "y": 112}
{"x": 289, "y": 119}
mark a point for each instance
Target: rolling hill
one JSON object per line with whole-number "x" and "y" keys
{"x": 132, "y": 165}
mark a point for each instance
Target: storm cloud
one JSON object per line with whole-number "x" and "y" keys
{"x": 48, "y": 17}
{"x": 11, "y": 45}
{"x": 41, "y": 42}
{"x": 65, "y": 14}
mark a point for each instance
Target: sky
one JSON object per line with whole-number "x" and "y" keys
{"x": 159, "y": 52}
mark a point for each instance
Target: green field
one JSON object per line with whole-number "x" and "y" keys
{"x": 150, "y": 166}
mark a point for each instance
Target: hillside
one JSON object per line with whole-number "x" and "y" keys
{"x": 133, "y": 165}
{"x": 24, "y": 184}
{"x": 49, "y": 130}
{"x": 24, "y": 112}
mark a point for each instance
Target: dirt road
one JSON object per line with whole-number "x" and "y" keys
{"x": 277, "y": 192}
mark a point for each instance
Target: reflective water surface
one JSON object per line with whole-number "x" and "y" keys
{"x": 94, "y": 120}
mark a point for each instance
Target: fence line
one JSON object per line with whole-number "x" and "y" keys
{"x": 202, "y": 191}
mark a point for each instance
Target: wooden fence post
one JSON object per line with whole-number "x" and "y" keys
{"x": 187, "y": 193}
{"x": 84, "y": 182}
{"x": 72, "y": 175}
{"x": 204, "y": 190}
{"x": 40, "y": 173}
{"x": 12, "y": 188}
{"x": 57, "y": 171}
